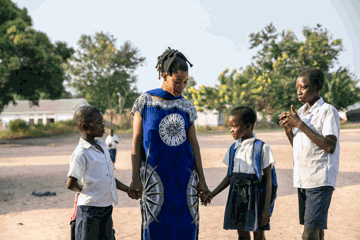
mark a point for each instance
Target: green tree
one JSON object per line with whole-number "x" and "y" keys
{"x": 30, "y": 64}
{"x": 99, "y": 71}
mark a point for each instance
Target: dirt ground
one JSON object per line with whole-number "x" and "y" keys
{"x": 42, "y": 164}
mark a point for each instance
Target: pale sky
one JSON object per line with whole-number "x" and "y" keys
{"x": 213, "y": 35}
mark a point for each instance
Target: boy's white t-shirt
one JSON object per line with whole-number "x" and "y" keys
{"x": 243, "y": 157}
{"x": 95, "y": 171}
{"x": 111, "y": 140}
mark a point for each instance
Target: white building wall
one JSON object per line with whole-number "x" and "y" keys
{"x": 5, "y": 119}
{"x": 207, "y": 118}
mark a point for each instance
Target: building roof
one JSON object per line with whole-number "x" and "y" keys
{"x": 45, "y": 106}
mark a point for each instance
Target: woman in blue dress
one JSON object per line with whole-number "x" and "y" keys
{"x": 166, "y": 162}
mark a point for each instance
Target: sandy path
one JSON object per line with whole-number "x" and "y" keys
{"x": 43, "y": 164}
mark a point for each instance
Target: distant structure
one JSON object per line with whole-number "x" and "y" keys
{"x": 351, "y": 113}
{"x": 48, "y": 111}
{"x": 212, "y": 118}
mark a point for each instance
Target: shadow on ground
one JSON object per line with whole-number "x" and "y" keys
{"x": 17, "y": 183}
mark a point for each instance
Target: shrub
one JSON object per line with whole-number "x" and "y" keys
{"x": 17, "y": 125}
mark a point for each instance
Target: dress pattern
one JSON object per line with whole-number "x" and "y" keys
{"x": 169, "y": 203}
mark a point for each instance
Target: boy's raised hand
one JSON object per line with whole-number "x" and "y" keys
{"x": 289, "y": 120}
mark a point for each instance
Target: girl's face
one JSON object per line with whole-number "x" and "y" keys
{"x": 306, "y": 91}
{"x": 238, "y": 129}
{"x": 176, "y": 83}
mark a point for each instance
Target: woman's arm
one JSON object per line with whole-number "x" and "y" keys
{"x": 73, "y": 184}
{"x": 136, "y": 186}
{"x": 224, "y": 183}
{"x": 191, "y": 136}
{"x": 265, "y": 217}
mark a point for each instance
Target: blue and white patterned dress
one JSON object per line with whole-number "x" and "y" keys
{"x": 169, "y": 205}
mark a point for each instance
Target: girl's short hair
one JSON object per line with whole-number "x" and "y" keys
{"x": 315, "y": 76}
{"x": 244, "y": 114}
{"x": 171, "y": 61}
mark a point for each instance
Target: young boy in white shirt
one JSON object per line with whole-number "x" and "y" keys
{"x": 315, "y": 142}
{"x": 111, "y": 142}
{"x": 90, "y": 165}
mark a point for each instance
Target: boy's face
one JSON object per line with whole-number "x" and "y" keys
{"x": 237, "y": 128}
{"x": 306, "y": 90}
{"x": 176, "y": 83}
{"x": 95, "y": 126}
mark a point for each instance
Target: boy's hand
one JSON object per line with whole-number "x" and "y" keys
{"x": 293, "y": 119}
{"x": 135, "y": 189}
{"x": 110, "y": 145}
{"x": 283, "y": 121}
{"x": 265, "y": 218}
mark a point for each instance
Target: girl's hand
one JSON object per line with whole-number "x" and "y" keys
{"x": 135, "y": 189}
{"x": 203, "y": 192}
{"x": 265, "y": 218}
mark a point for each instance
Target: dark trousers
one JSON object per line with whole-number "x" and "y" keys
{"x": 112, "y": 154}
{"x": 94, "y": 223}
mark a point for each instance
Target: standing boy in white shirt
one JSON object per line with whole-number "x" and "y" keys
{"x": 111, "y": 142}
{"x": 315, "y": 142}
{"x": 91, "y": 165}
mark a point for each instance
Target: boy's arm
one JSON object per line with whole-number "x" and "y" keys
{"x": 224, "y": 183}
{"x": 73, "y": 184}
{"x": 288, "y": 130}
{"x": 121, "y": 186}
{"x": 328, "y": 143}
{"x": 265, "y": 217}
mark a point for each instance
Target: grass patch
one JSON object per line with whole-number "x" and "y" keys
{"x": 49, "y": 130}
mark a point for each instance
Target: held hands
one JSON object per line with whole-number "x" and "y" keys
{"x": 135, "y": 189}
{"x": 289, "y": 120}
{"x": 204, "y": 192}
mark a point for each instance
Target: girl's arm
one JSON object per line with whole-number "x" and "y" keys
{"x": 135, "y": 187}
{"x": 121, "y": 186}
{"x": 191, "y": 137}
{"x": 265, "y": 217}
{"x": 224, "y": 183}
{"x": 73, "y": 184}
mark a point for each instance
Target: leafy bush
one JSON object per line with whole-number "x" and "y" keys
{"x": 17, "y": 125}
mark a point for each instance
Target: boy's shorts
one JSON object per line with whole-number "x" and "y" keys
{"x": 314, "y": 205}
{"x": 112, "y": 152}
{"x": 94, "y": 223}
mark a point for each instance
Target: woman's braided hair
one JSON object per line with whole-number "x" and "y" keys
{"x": 171, "y": 61}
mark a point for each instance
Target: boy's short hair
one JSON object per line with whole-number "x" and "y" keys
{"x": 244, "y": 114}
{"x": 84, "y": 113}
{"x": 315, "y": 76}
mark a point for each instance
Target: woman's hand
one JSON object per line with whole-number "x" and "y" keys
{"x": 135, "y": 189}
{"x": 204, "y": 192}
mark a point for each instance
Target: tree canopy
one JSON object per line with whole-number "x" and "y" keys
{"x": 99, "y": 70}
{"x": 30, "y": 65}
{"x": 268, "y": 83}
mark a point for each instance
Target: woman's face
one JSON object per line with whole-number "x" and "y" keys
{"x": 175, "y": 83}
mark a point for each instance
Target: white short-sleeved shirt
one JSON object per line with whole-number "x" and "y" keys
{"x": 111, "y": 140}
{"x": 243, "y": 157}
{"x": 313, "y": 166}
{"x": 95, "y": 171}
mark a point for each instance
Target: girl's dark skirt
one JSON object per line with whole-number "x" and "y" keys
{"x": 245, "y": 204}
